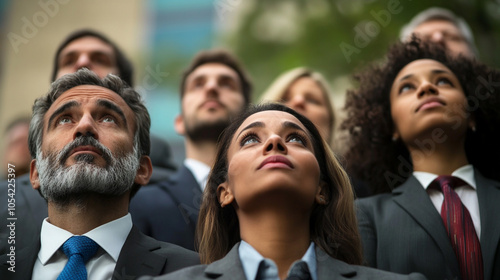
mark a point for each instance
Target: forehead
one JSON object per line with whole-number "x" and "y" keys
{"x": 213, "y": 69}
{"x": 89, "y": 95}
{"x": 436, "y": 25}
{"x": 87, "y": 44}
{"x": 271, "y": 119}
{"x": 422, "y": 66}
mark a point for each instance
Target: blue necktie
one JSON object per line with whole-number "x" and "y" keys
{"x": 79, "y": 250}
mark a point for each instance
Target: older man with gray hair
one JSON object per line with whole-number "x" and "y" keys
{"x": 442, "y": 26}
{"x": 89, "y": 140}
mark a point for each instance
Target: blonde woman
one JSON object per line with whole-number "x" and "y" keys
{"x": 308, "y": 93}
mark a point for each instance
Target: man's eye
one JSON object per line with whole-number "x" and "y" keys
{"x": 64, "y": 120}
{"x": 108, "y": 119}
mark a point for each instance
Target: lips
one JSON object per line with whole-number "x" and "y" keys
{"x": 211, "y": 103}
{"x": 276, "y": 162}
{"x": 430, "y": 103}
{"x": 86, "y": 149}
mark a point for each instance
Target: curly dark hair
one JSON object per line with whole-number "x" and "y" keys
{"x": 372, "y": 155}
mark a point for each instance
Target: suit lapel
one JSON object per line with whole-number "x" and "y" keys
{"x": 227, "y": 268}
{"x": 330, "y": 268}
{"x": 488, "y": 195}
{"x": 186, "y": 192}
{"x": 25, "y": 261}
{"x": 137, "y": 257}
{"x": 412, "y": 197}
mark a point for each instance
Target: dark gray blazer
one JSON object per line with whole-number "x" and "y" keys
{"x": 140, "y": 255}
{"x": 168, "y": 211}
{"x": 402, "y": 231}
{"x": 230, "y": 268}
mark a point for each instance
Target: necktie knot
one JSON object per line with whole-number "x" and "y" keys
{"x": 299, "y": 271}
{"x": 78, "y": 249}
{"x": 446, "y": 181}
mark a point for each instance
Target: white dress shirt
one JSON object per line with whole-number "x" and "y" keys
{"x": 200, "y": 171}
{"x": 250, "y": 259}
{"x": 110, "y": 237}
{"x": 468, "y": 195}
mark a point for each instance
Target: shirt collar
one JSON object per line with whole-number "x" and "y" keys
{"x": 465, "y": 173}
{"x": 250, "y": 259}
{"x": 110, "y": 237}
{"x": 199, "y": 169}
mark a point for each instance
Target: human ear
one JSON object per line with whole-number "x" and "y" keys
{"x": 144, "y": 172}
{"x": 179, "y": 125}
{"x": 320, "y": 197}
{"x": 395, "y": 136}
{"x": 34, "y": 175}
{"x": 224, "y": 194}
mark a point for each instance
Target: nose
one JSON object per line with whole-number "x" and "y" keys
{"x": 297, "y": 102}
{"x": 275, "y": 143}
{"x": 86, "y": 126}
{"x": 427, "y": 88}
{"x": 83, "y": 61}
{"x": 437, "y": 36}
{"x": 211, "y": 88}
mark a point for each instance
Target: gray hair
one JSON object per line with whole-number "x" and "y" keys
{"x": 443, "y": 14}
{"x": 87, "y": 77}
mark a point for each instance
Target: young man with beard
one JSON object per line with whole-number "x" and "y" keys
{"x": 89, "y": 140}
{"x": 214, "y": 89}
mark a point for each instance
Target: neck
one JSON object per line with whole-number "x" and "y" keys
{"x": 282, "y": 236}
{"x": 442, "y": 160}
{"x": 92, "y": 211}
{"x": 201, "y": 151}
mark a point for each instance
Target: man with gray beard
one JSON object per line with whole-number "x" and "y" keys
{"x": 89, "y": 140}
{"x": 214, "y": 89}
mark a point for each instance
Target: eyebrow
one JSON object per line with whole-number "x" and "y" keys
{"x": 254, "y": 124}
{"x": 100, "y": 102}
{"x": 62, "y": 109}
{"x": 435, "y": 71}
{"x": 112, "y": 106}
{"x": 286, "y": 124}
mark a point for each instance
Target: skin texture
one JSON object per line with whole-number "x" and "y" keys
{"x": 428, "y": 100}
{"x": 443, "y": 31}
{"x": 273, "y": 200}
{"x": 308, "y": 98}
{"x": 212, "y": 97}
{"x": 112, "y": 129}
{"x": 89, "y": 52}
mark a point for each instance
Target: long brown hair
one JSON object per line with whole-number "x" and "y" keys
{"x": 333, "y": 226}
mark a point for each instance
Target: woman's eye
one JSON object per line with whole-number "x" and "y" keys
{"x": 295, "y": 138}
{"x": 405, "y": 88}
{"x": 250, "y": 139}
{"x": 443, "y": 81}
{"x": 64, "y": 120}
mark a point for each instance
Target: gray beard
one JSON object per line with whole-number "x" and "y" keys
{"x": 62, "y": 184}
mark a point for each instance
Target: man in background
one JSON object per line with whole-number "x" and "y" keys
{"x": 213, "y": 89}
{"x": 442, "y": 26}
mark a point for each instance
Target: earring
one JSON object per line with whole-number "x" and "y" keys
{"x": 394, "y": 138}
{"x": 473, "y": 128}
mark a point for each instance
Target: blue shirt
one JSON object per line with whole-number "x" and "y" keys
{"x": 251, "y": 261}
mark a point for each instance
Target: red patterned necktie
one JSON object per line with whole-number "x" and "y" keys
{"x": 460, "y": 228}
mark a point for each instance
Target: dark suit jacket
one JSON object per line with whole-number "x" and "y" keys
{"x": 168, "y": 211}
{"x": 30, "y": 210}
{"x": 230, "y": 268}
{"x": 140, "y": 255}
{"x": 403, "y": 232}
